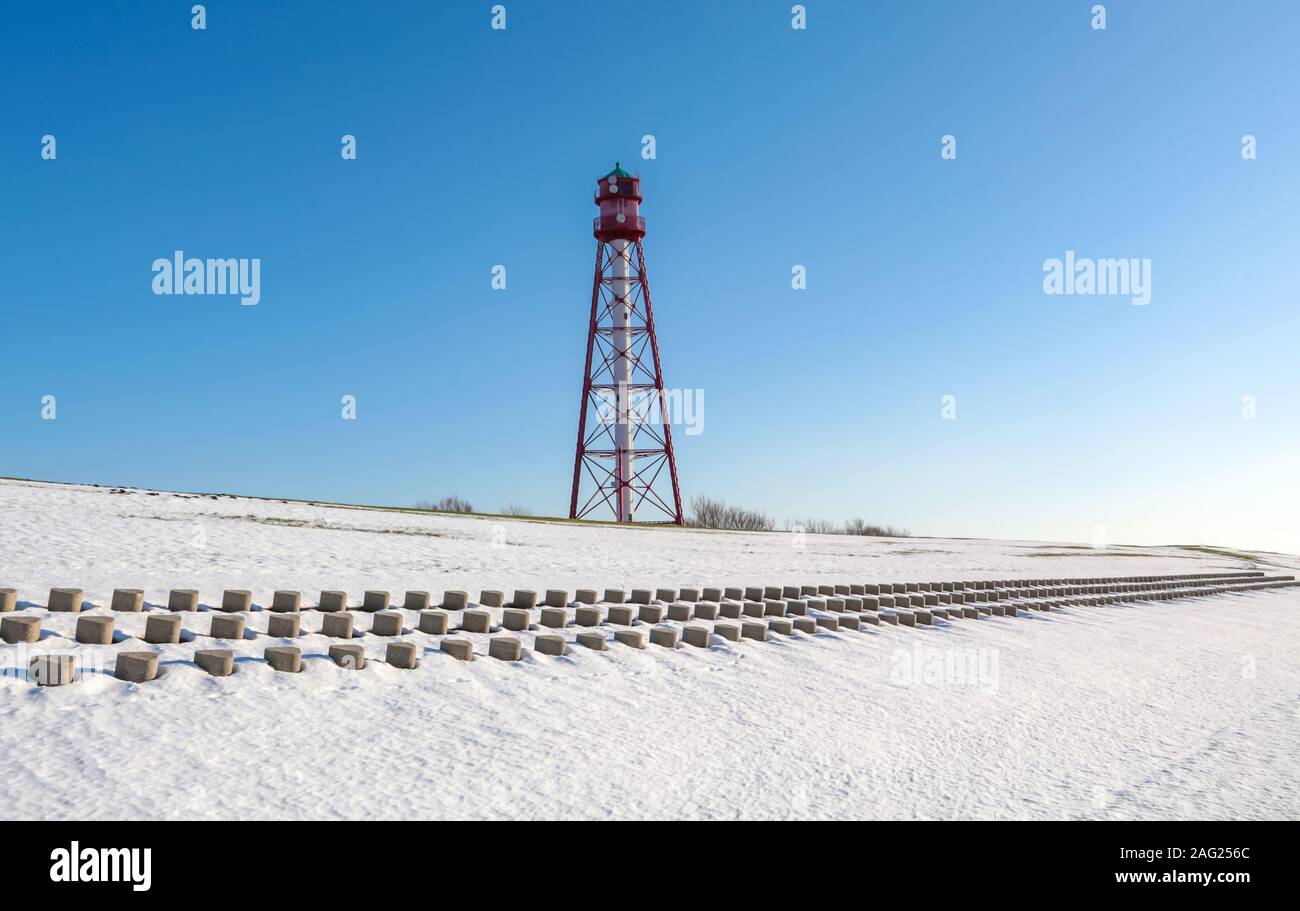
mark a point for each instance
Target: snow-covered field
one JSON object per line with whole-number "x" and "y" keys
{"x": 1177, "y": 709}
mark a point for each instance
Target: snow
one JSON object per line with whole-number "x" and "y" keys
{"x": 1171, "y": 710}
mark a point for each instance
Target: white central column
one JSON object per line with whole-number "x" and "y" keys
{"x": 623, "y": 373}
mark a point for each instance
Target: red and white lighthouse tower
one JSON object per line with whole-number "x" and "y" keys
{"x": 625, "y": 467}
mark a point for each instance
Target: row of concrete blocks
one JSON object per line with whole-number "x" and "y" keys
{"x": 286, "y": 601}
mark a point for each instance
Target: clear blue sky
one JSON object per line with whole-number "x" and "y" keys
{"x": 775, "y": 147}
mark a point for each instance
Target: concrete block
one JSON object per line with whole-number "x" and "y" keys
{"x": 872, "y": 602}
{"x": 754, "y": 593}
{"x": 127, "y": 600}
{"x": 455, "y": 600}
{"x": 770, "y": 592}
{"x": 65, "y": 599}
{"x": 372, "y": 602}
{"x": 95, "y": 630}
{"x": 680, "y": 611}
{"x": 664, "y": 635}
{"x": 524, "y": 599}
{"x": 52, "y": 669}
{"x": 666, "y": 595}
{"x": 781, "y": 625}
{"x": 651, "y": 613}
{"x": 773, "y": 607}
{"x": 853, "y": 604}
{"x": 830, "y": 623}
{"x": 331, "y": 602}
{"x": 789, "y": 591}
{"x": 1009, "y": 609}
{"x": 826, "y": 590}
{"x": 387, "y": 623}
{"x": 218, "y": 662}
{"x": 910, "y": 587}
{"x": 620, "y": 614}
{"x": 595, "y": 641}
{"x": 286, "y": 602}
{"x": 183, "y": 599}
{"x": 587, "y": 615}
{"x": 633, "y": 637}
{"x": 730, "y": 610}
{"x": 996, "y": 609}
{"x": 136, "y": 667}
{"x": 734, "y": 594}
{"x": 969, "y": 613}
{"x": 728, "y": 631}
{"x": 405, "y": 655}
{"x": 705, "y": 610}
{"x": 515, "y": 619}
{"x": 226, "y": 627}
{"x": 900, "y": 618}
{"x": 487, "y": 598}
{"x": 796, "y": 607}
{"x": 337, "y": 626}
{"x": 816, "y": 604}
{"x": 557, "y": 597}
{"x": 614, "y": 596}
{"x": 235, "y": 600}
{"x": 806, "y": 590}
{"x": 804, "y": 624}
{"x": 286, "y": 626}
{"x": 555, "y": 617}
{"x": 287, "y": 659}
{"x": 871, "y": 588}
{"x": 857, "y": 589}
{"x": 712, "y": 594}
{"x": 162, "y": 629}
{"x": 930, "y": 599}
{"x": 842, "y": 590}
{"x": 868, "y": 619}
{"x": 460, "y": 649}
{"x": 690, "y": 594}
{"x": 640, "y": 596}
{"x": 923, "y": 617}
{"x": 416, "y": 601}
{"x": 434, "y": 622}
{"x": 9, "y": 600}
{"x": 835, "y": 605}
{"x": 586, "y": 596}
{"x": 753, "y": 609}
{"x": 20, "y": 629}
{"x": 476, "y": 621}
{"x": 549, "y": 644}
{"x": 849, "y": 621}
{"x": 348, "y": 656}
{"x": 751, "y": 630}
{"x": 697, "y": 636}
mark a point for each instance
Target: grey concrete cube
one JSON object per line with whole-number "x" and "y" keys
{"x": 515, "y": 619}
{"x": 348, "y": 656}
{"x": 697, "y": 636}
{"x": 162, "y": 629}
{"x": 416, "y": 601}
{"x": 849, "y": 621}
{"x": 372, "y": 602}
{"x": 773, "y": 608}
{"x": 286, "y": 602}
{"x": 782, "y": 625}
{"x": 620, "y": 614}
{"x": 796, "y": 607}
{"x": 489, "y": 598}
{"x": 95, "y": 630}
{"x": 640, "y": 596}
{"x": 614, "y": 596}
{"x": 226, "y": 627}
{"x": 753, "y": 630}
{"x": 651, "y": 613}
{"x": 8, "y": 600}
{"x": 505, "y": 648}
{"x": 284, "y": 626}
{"x": 730, "y": 610}
{"x": 734, "y": 594}
{"x": 183, "y": 599}
{"x": 218, "y": 662}
{"x": 549, "y": 644}
{"x": 20, "y": 629}
{"x": 712, "y": 594}
{"x": 666, "y": 595}
{"x": 456, "y": 600}
{"x": 664, "y": 635}
{"x": 689, "y": 594}
{"x": 706, "y": 610}
{"x": 387, "y": 623}
{"x": 586, "y": 596}
{"x": 587, "y": 615}
{"x": 830, "y": 623}
{"x": 476, "y": 621}
{"x": 52, "y": 669}
{"x": 337, "y": 626}
{"x": 333, "y": 601}
{"x": 633, "y": 637}
{"x": 405, "y": 655}
{"x": 434, "y": 622}
{"x": 557, "y": 597}
{"x": 127, "y": 600}
{"x": 524, "y": 599}
{"x": 136, "y": 667}
{"x": 65, "y": 599}
{"x": 680, "y": 611}
{"x": 555, "y": 617}
{"x": 460, "y": 649}
{"x": 236, "y": 600}
{"x": 286, "y": 659}
{"x": 594, "y": 641}
{"x": 804, "y": 624}
{"x": 753, "y": 608}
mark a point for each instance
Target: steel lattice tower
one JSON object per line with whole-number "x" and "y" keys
{"x": 625, "y": 464}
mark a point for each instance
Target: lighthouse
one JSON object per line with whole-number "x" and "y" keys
{"x": 625, "y": 467}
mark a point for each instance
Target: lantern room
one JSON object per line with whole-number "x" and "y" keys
{"x": 619, "y": 197}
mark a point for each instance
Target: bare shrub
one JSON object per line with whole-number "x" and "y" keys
{"x": 861, "y": 527}
{"x": 707, "y": 512}
{"x": 446, "y": 504}
{"x": 516, "y": 511}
